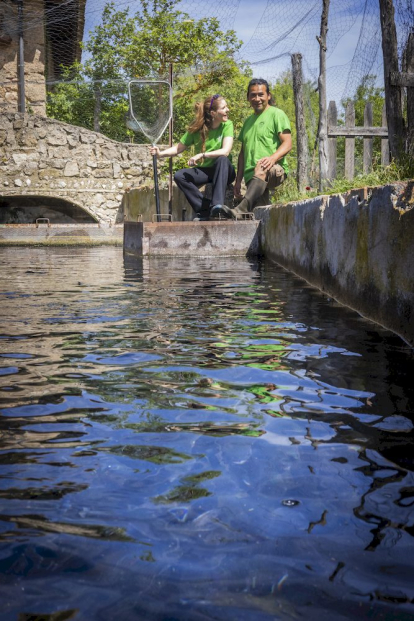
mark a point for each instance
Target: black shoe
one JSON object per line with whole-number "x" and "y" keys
{"x": 202, "y": 216}
{"x": 222, "y": 212}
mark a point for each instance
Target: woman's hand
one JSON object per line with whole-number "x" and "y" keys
{"x": 196, "y": 158}
{"x": 154, "y": 151}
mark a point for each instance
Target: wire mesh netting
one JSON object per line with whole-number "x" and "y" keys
{"x": 353, "y": 41}
{"x": 271, "y": 30}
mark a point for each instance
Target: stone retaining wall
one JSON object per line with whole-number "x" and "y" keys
{"x": 44, "y": 157}
{"x": 357, "y": 247}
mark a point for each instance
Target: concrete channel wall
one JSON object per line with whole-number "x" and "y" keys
{"x": 61, "y": 235}
{"x": 358, "y": 248}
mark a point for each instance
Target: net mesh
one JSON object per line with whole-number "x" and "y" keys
{"x": 271, "y": 31}
{"x": 150, "y": 107}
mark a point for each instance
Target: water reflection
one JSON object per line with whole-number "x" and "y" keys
{"x": 196, "y": 440}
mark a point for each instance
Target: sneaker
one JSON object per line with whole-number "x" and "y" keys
{"x": 201, "y": 219}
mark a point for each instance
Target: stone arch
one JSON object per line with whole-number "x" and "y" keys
{"x": 25, "y": 209}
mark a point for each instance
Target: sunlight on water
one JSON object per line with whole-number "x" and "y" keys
{"x": 198, "y": 439}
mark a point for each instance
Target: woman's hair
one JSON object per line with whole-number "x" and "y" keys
{"x": 258, "y": 82}
{"x": 203, "y": 119}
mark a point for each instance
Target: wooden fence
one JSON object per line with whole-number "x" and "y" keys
{"x": 350, "y": 132}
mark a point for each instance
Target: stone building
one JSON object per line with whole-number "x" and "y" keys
{"x": 51, "y": 31}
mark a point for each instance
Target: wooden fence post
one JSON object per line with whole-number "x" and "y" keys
{"x": 368, "y": 142}
{"x": 350, "y": 142}
{"x": 332, "y": 121}
{"x": 392, "y": 92}
{"x": 301, "y": 135}
{"x": 385, "y": 145}
{"x": 323, "y": 122}
{"x": 409, "y": 68}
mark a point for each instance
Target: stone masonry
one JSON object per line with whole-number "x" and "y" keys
{"x": 41, "y": 157}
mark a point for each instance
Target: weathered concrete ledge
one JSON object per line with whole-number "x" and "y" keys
{"x": 357, "y": 247}
{"x": 60, "y": 235}
{"x": 196, "y": 239}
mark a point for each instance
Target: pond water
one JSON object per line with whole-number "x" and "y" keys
{"x": 198, "y": 439}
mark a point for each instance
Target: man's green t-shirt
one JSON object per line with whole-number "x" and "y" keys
{"x": 260, "y": 138}
{"x": 213, "y": 142}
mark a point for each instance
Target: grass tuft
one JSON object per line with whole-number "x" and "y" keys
{"x": 382, "y": 175}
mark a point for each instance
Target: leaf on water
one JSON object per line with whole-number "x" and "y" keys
{"x": 182, "y": 493}
{"x": 203, "y": 476}
{"x": 155, "y": 454}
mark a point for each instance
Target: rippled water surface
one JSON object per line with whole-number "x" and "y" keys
{"x": 198, "y": 439}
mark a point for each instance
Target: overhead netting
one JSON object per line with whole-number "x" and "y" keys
{"x": 271, "y": 31}
{"x": 353, "y": 41}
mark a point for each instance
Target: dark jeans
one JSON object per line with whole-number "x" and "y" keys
{"x": 190, "y": 179}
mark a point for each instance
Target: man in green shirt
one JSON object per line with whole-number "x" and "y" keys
{"x": 266, "y": 140}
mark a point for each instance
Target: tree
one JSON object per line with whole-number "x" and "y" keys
{"x": 282, "y": 91}
{"x": 125, "y": 47}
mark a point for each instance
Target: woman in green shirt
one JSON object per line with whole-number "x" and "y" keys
{"x": 211, "y": 134}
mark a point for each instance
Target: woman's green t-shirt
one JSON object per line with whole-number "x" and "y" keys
{"x": 213, "y": 142}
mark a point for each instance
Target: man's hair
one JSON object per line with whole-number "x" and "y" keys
{"x": 258, "y": 82}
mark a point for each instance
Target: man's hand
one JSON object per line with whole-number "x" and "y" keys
{"x": 266, "y": 163}
{"x": 237, "y": 189}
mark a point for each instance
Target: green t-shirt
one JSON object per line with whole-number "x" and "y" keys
{"x": 260, "y": 138}
{"x": 214, "y": 141}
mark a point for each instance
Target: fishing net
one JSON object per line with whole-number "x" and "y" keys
{"x": 150, "y": 107}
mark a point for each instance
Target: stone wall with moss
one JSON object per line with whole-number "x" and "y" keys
{"x": 357, "y": 248}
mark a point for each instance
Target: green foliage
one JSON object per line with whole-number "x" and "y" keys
{"x": 125, "y": 47}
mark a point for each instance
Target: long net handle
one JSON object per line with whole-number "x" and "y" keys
{"x": 156, "y": 188}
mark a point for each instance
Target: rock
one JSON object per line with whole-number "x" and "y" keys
{"x": 87, "y": 138}
{"x": 57, "y": 139}
{"x": 26, "y": 138}
{"x": 103, "y": 174}
{"x": 19, "y": 158}
{"x": 71, "y": 169}
{"x": 18, "y": 183}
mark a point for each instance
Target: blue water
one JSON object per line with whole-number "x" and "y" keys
{"x": 198, "y": 439}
